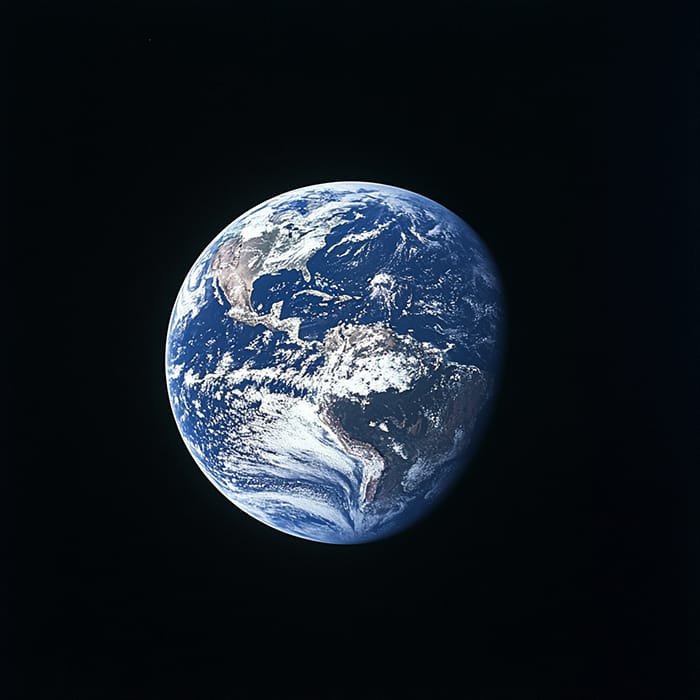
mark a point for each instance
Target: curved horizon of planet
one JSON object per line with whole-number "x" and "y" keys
{"x": 332, "y": 356}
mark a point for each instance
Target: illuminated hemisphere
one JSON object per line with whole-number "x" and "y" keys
{"x": 331, "y": 357}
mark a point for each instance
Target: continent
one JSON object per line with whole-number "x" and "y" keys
{"x": 270, "y": 241}
{"x": 234, "y": 269}
{"x": 397, "y": 405}
{"x": 414, "y": 432}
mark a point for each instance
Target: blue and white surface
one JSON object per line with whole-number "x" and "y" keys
{"x": 331, "y": 356}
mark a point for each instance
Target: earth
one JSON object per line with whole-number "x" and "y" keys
{"x": 332, "y": 356}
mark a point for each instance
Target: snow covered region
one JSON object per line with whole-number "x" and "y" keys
{"x": 329, "y": 357}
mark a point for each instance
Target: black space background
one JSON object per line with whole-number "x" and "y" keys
{"x": 560, "y": 564}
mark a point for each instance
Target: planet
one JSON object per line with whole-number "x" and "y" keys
{"x": 332, "y": 358}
